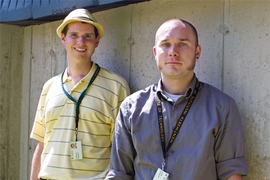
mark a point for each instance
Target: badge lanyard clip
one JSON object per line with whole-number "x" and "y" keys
{"x": 163, "y": 164}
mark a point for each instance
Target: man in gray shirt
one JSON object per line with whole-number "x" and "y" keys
{"x": 179, "y": 128}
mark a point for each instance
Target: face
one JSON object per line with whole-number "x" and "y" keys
{"x": 80, "y": 42}
{"x": 175, "y": 50}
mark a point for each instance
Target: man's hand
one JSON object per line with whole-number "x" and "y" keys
{"x": 235, "y": 177}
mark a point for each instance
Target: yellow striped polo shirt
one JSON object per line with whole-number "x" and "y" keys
{"x": 55, "y": 124}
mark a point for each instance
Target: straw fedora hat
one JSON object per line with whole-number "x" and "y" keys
{"x": 81, "y": 15}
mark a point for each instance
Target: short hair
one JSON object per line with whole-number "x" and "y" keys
{"x": 193, "y": 29}
{"x": 65, "y": 30}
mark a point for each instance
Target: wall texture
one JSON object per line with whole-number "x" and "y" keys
{"x": 235, "y": 39}
{"x": 246, "y": 77}
{"x": 11, "y": 61}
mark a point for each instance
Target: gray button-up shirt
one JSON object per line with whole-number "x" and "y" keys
{"x": 209, "y": 145}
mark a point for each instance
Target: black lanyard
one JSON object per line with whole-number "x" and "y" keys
{"x": 80, "y": 98}
{"x": 178, "y": 124}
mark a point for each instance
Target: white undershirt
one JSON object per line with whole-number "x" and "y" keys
{"x": 172, "y": 96}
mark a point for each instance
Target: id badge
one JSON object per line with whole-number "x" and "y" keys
{"x": 161, "y": 175}
{"x": 76, "y": 150}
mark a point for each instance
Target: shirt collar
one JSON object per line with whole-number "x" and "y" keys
{"x": 86, "y": 78}
{"x": 188, "y": 93}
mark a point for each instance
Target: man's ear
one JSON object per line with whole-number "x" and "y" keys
{"x": 63, "y": 40}
{"x": 98, "y": 39}
{"x": 198, "y": 52}
{"x": 154, "y": 51}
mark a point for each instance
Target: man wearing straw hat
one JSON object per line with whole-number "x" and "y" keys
{"x": 75, "y": 116}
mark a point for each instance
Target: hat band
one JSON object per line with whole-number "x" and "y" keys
{"x": 85, "y": 18}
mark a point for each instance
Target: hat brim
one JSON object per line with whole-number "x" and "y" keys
{"x": 63, "y": 25}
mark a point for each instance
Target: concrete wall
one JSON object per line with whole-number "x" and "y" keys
{"x": 246, "y": 77}
{"x": 11, "y": 61}
{"x": 235, "y": 39}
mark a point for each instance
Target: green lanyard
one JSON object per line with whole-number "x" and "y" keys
{"x": 178, "y": 124}
{"x": 80, "y": 98}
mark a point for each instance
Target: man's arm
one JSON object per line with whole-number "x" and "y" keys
{"x": 235, "y": 177}
{"x": 123, "y": 153}
{"x": 230, "y": 144}
{"x": 35, "y": 168}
